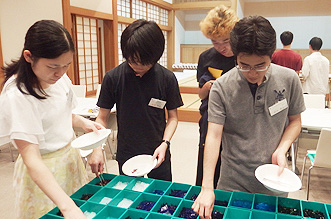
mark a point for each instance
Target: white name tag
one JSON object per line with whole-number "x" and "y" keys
{"x": 278, "y": 107}
{"x": 157, "y": 103}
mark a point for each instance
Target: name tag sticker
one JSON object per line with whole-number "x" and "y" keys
{"x": 278, "y": 107}
{"x": 157, "y": 103}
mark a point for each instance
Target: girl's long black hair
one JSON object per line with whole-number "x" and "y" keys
{"x": 44, "y": 39}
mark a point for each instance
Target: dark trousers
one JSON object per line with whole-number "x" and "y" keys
{"x": 163, "y": 172}
{"x": 200, "y": 168}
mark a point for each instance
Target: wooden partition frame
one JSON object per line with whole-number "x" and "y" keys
{"x": 67, "y": 24}
{"x": 189, "y": 53}
{"x": 108, "y": 30}
{"x": 1, "y": 65}
{"x": 111, "y": 30}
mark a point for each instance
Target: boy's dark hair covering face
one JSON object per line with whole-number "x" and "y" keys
{"x": 253, "y": 35}
{"x": 142, "y": 42}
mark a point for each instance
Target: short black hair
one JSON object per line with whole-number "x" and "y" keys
{"x": 143, "y": 42}
{"x": 286, "y": 37}
{"x": 253, "y": 35}
{"x": 316, "y": 43}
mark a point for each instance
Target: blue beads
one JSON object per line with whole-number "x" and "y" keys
{"x": 167, "y": 209}
{"x": 178, "y": 193}
{"x": 146, "y": 205}
{"x": 187, "y": 213}
{"x": 158, "y": 192}
{"x": 242, "y": 203}
{"x": 265, "y": 207}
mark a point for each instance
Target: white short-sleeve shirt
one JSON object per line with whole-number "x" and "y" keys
{"x": 46, "y": 122}
{"x": 315, "y": 72}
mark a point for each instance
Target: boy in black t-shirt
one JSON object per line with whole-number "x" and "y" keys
{"x": 141, "y": 89}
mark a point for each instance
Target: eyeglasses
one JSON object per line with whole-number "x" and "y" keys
{"x": 249, "y": 68}
{"x": 217, "y": 43}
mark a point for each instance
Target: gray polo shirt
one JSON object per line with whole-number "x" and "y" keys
{"x": 250, "y": 133}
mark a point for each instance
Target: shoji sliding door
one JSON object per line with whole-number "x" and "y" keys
{"x": 88, "y": 55}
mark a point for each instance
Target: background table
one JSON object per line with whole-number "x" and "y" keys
{"x": 312, "y": 121}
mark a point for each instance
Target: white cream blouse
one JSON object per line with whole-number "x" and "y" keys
{"x": 47, "y": 123}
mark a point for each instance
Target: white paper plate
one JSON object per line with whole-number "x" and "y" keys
{"x": 288, "y": 181}
{"x": 91, "y": 140}
{"x": 139, "y": 165}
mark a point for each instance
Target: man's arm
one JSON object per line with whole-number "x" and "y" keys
{"x": 96, "y": 160}
{"x": 204, "y": 91}
{"x": 169, "y": 131}
{"x": 291, "y": 132}
{"x": 204, "y": 203}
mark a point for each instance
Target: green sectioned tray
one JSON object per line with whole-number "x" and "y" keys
{"x": 158, "y": 191}
{"x": 86, "y": 189}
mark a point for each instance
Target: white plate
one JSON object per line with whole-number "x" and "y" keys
{"x": 288, "y": 181}
{"x": 139, "y": 165}
{"x": 91, "y": 140}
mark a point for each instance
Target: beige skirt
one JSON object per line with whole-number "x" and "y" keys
{"x": 68, "y": 169}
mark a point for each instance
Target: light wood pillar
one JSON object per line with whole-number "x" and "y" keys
{"x": 1, "y": 65}
{"x": 67, "y": 23}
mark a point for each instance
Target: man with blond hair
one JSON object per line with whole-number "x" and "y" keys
{"x": 212, "y": 64}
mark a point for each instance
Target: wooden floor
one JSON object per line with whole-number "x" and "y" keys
{"x": 184, "y": 150}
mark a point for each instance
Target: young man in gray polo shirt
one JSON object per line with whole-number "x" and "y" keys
{"x": 255, "y": 109}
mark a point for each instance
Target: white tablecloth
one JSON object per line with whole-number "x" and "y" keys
{"x": 316, "y": 119}
{"x": 88, "y": 107}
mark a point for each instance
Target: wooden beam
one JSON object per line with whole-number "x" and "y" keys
{"x": 125, "y": 20}
{"x": 188, "y": 90}
{"x": 188, "y": 115}
{"x": 171, "y": 40}
{"x": 2, "y": 76}
{"x": 110, "y": 45}
{"x": 90, "y": 13}
{"x": 160, "y": 3}
{"x": 114, "y": 37}
{"x": 166, "y": 28}
{"x": 68, "y": 25}
{"x": 199, "y": 5}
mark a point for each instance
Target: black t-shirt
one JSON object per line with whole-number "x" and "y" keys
{"x": 211, "y": 58}
{"x": 140, "y": 126}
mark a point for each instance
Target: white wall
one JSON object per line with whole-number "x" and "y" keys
{"x": 303, "y": 28}
{"x": 195, "y": 37}
{"x": 16, "y": 16}
{"x": 240, "y": 9}
{"x": 96, "y": 5}
{"x": 179, "y": 34}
